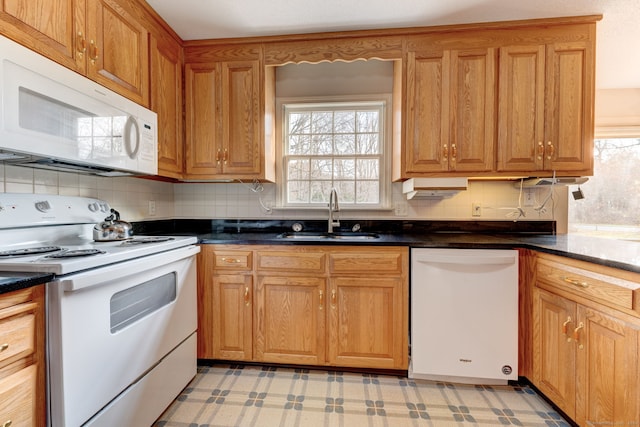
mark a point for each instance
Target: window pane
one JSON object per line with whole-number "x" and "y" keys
{"x": 321, "y": 169}
{"x": 345, "y": 144}
{"x": 345, "y": 122}
{"x": 345, "y": 168}
{"x": 298, "y": 192}
{"x": 298, "y": 169}
{"x": 299, "y": 144}
{"x": 367, "y": 121}
{"x": 346, "y": 191}
{"x": 322, "y": 122}
{"x": 368, "y": 192}
{"x": 320, "y": 191}
{"x": 322, "y": 144}
{"x": 299, "y": 123}
{"x": 368, "y": 169}
{"x": 368, "y": 143}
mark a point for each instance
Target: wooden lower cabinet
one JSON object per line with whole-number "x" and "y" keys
{"x": 290, "y": 320}
{"x": 585, "y": 354}
{"x": 309, "y": 305}
{"x": 22, "y": 358}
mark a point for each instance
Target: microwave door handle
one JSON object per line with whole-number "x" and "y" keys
{"x": 131, "y": 152}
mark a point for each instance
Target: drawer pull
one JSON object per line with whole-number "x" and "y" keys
{"x": 565, "y": 326}
{"x": 576, "y": 282}
{"x": 3, "y": 347}
{"x": 231, "y": 260}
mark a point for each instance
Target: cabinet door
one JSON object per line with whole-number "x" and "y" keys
{"x": 427, "y": 124}
{"x": 290, "y": 320}
{"x": 166, "y": 101}
{"x": 521, "y": 108}
{"x": 241, "y": 135}
{"x": 554, "y": 356}
{"x": 18, "y": 398}
{"x": 367, "y": 326}
{"x": 607, "y": 379}
{"x": 472, "y": 115}
{"x": 450, "y": 111}
{"x": 569, "y": 116}
{"x": 118, "y": 50}
{"x": 232, "y": 317}
{"x": 202, "y": 120}
{"x": 54, "y": 28}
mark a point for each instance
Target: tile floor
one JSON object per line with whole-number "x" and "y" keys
{"x": 247, "y": 395}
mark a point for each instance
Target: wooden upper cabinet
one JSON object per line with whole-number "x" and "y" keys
{"x": 118, "y": 50}
{"x": 450, "y": 111}
{"x": 97, "y": 38}
{"x": 49, "y": 27}
{"x": 166, "y": 101}
{"x": 225, "y": 121}
{"x": 545, "y": 119}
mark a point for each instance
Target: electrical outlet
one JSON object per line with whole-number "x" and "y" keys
{"x": 528, "y": 197}
{"x": 152, "y": 207}
{"x": 400, "y": 209}
{"x": 476, "y": 209}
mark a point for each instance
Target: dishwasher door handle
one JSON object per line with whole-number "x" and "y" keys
{"x": 468, "y": 260}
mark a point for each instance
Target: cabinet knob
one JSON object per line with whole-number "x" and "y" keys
{"x": 3, "y": 347}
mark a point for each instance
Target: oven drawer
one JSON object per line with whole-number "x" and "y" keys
{"x": 17, "y": 398}
{"x": 17, "y": 332}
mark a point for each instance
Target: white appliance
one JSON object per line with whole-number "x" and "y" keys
{"x": 121, "y": 315}
{"x": 54, "y": 118}
{"x": 464, "y": 315}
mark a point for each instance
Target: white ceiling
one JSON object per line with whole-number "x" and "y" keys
{"x": 618, "y": 42}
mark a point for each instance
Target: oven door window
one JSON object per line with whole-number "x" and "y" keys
{"x": 132, "y": 304}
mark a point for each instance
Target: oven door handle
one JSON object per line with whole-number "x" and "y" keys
{"x": 104, "y": 275}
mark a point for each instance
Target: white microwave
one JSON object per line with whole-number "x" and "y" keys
{"x": 54, "y": 118}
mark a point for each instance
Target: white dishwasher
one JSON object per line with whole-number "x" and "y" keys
{"x": 464, "y": 315}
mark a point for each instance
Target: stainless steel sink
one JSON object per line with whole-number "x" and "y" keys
{"x": 311, "y": 235}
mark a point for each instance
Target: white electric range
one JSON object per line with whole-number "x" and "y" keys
{"x": 121, "y": 315}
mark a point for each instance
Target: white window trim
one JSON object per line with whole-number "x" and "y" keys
{"x": 385, "y": 169}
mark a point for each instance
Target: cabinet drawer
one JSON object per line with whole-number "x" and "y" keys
{"x": 232, "y": 260}
{"x": 17, "y": 398}
{"x": 580, "y": 278}
{"x": 17, "y": 332}
{"x": 289, "y": 261}
{"x": 374, "y": 262}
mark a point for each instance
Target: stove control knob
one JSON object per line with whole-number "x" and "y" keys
{"x": 93, "y": 207}
{"x": 43, "y": 206}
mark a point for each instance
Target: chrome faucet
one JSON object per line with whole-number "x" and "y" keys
{"x": 333, "y": 207}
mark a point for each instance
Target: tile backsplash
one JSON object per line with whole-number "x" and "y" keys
{"x": 498, "y": 200}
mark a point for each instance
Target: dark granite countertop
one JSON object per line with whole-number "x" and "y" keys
{"x": 11, "y": 281}
{"x": 536, "y": 235}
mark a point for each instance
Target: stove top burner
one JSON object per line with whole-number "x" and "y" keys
{"x": 30, "y": 251}
{"x": 76, "y": 253}
{"x": 143, "y": 240}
